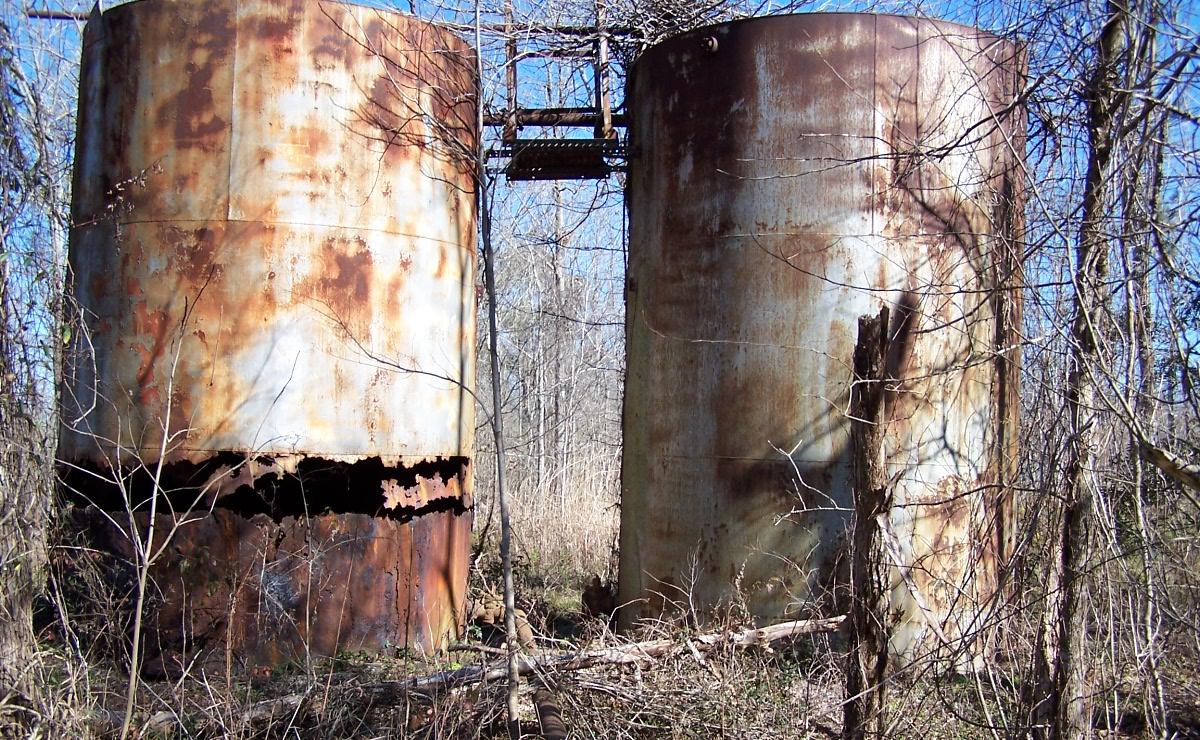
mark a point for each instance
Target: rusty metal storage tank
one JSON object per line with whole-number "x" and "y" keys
{"x": 272, "y": 255}
{"x": 788, "y": 175}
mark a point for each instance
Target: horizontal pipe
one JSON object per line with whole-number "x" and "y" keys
{"x": 56, "y": 15}
{"x": 553, "y": 117}
{"x": 536, "y": 29}
{"x": 577, "y": 53}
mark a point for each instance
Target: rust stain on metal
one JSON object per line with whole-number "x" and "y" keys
{"x": 275, "y": 591}
{"x": 273, "y": 246}
{"x": 791, "y": 174}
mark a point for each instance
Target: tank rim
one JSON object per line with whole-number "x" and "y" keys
{"x": 709, "y": 28}
{"x": 441, "y": 26}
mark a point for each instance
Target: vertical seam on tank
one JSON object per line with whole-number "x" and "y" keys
{"x": 233, "y": 106}
{"x": 876, "y": 133}
{"x": 917, "y": 121}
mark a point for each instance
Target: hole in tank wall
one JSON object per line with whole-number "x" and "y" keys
{"x": 252, "y": 486}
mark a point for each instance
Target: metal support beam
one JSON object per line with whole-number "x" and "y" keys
{"x": 604, "y": 126}
{"x": 554, "y": 117}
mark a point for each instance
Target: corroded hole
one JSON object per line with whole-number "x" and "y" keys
{"x": 263, "y": 485}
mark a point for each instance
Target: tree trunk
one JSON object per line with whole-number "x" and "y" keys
{"x": 1071, "y": 716}
{"x": 26, "y": 484}
{"x": 26, "y": 472}
{"x": 22, "y": 505}
{"x": 867, "y": 632}
{"x": 483, "y": 193}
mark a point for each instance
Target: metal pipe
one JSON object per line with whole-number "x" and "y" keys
{"x": 556, "y": 117}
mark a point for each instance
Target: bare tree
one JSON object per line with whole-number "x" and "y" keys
{"x": 1131, "y": 143}
{"x": 1068, "y": 694}
{"x": 33, "y": 122}
{"x": 870, "y": 573}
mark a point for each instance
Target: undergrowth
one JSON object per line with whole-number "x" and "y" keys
{"x": 794, "y": 688}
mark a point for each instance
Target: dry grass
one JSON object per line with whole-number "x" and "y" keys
{"x": 558, "y": 543}
{"x": 793, "y": 690}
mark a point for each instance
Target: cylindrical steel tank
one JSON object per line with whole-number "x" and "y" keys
{"x": 789, "y": 175}
{"x": 272, "y": 254}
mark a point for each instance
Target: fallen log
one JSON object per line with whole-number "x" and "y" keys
{"x": 619, "y": 655}
{"x": 637, "y": 652}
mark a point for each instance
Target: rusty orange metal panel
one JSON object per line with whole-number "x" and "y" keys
{"x": 789, "y": 175}
{"x": 273, "y": 256}
{"x": 271, "y": 592}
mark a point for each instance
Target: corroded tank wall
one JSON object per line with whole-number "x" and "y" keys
{"x": 272, "y": 254}
{"x": 789, "y": 175}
